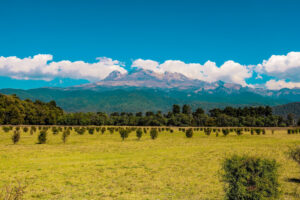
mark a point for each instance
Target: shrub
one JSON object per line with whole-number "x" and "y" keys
{"x": 207, "y": 131}
{"x": 257, "y": 131}
{"x": 250, "y": 178}
{"x": 91, "y": 131}
{"x": 80, "y": 131}
{"x": 124, "y": 133}
{"x": 42, "y": 138}
{"x": 189, "y": 133}
{"x": 15, "y": 137}
{"x": 153, "y": 133}
{"x": 103, "y": 130}
{"x": 65, "y": 135}
{"x": 295, "y": 154}
{"x": 139, "y": 133}
{"x": 252, "y": 131}
{"x": 6, "y": 129}
{"x": 225, "y": 132}
{"x": 12, "y": 192}
{"x": 55, "y": 130}
{"x": 239, "y": 131}
{"x": 25, "y": 129}
{"x": 111, "y": 130}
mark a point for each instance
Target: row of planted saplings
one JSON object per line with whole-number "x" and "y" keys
{"x": 42, "y": 137}
{"x": 293, "y": 131}
{"x": 224, "y": 131}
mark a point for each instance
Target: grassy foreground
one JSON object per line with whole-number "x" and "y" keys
{"x": 105, "y": 167}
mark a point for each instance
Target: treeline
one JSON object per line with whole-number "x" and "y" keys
{"x": 15, "y": 111}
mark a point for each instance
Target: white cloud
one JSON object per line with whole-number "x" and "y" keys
{"x": 277, "y": 85}
{"x": 282, "y": 66}
{"x": 230, "y": 71}
{"x": 41, "y": 67}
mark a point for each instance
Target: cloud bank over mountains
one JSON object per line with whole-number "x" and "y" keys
{"x": 282, "y": 71}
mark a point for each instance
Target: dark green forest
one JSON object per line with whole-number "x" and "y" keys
{"x": 15, "y": 111}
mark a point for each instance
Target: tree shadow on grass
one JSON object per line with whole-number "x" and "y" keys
{"x": 294, "y": 180}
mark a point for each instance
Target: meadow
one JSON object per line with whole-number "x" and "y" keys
{"x": 102, "y": 166}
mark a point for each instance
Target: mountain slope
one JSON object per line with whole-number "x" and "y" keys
{"x": 144, "y": 90}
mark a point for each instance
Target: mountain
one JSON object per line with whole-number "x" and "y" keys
{"x": 144, "y": 90}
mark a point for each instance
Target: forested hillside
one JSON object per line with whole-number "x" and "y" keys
{"x": 16, "y": 111}
{"x": 284, "y": 110}
{"x": 139, "y": 99}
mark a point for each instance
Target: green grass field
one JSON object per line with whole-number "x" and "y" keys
{"x": 105, "y": 167}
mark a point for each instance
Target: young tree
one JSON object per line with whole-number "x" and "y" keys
{"x": 16, "y": 137}
{"x": 189, "y": 133}
{"x": 153, "y": 133}
{"x": 124, "y": 133}
{"x": 225, "y": 132}
{"x": 91, "y": 131}
{"x": 25, "y": 129}
{"x": 65, "y": 135}
{"x": 295, "y": 154}
{"x": 139, "y": 133}
{"x": 250, "y": 178}
{"x": 42, "y": 138}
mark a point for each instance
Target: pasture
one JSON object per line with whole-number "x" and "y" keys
{"x": 102, "y": 166}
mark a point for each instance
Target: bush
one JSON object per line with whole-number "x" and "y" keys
{"x": 225, "y": 132}
{"x": 25, "y": 129}
{"x": 153, "y": 133}
{"x": 250, "y": 178}
{"x": 15, "y": 137}
{"x": 55, "y": 130}
{"x": 80, "y": 131}
{"x": 189, "y": 133}
{"x": 42, "y": 138}
{"x": 124, "y": 133}
{"x": 207, "y": 131}
{"x": 6, "y": 129}
{"x": 65, "y": 135}
{"x": 103, "y": 130}
{"x": 139, "y": 133}
{"x": 91, "y": 131}
{"x": 239, "y": 131}
{"x": 257, "y": 131}
{"x": 295, "y": 154}
{"x": 10, "y": 192}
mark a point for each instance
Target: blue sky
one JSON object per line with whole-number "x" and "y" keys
{"x": 246, "y": 32}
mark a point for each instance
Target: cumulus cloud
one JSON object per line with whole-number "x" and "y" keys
{"x": 230, "y": 71}
{"x": 277, "y": 85}
{"x": 42, "y": 67}
{"x": 282, "y": 66}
